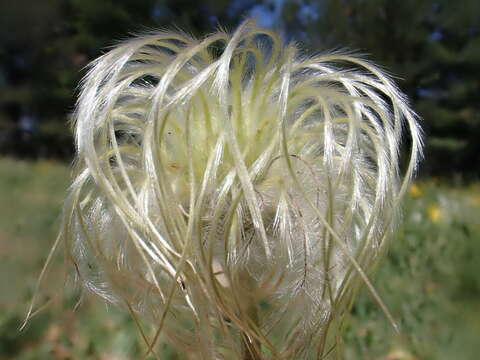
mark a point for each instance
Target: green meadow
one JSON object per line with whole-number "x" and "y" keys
{"x": 429, "y": 280}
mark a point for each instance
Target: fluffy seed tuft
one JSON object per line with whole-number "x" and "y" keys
{"x": 233, "y": 192}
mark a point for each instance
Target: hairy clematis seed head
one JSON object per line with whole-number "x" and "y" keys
{"x": 235, "y": 193}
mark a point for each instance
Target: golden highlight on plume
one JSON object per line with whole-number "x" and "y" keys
{"x": 233, "y": 192}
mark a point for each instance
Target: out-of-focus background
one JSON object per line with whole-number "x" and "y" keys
{"x": 430, "y": 280}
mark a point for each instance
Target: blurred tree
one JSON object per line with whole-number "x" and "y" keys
{"x": 44, "y": 47}
{"x": 432, "y": 45}
{"x": 27, "y": 57}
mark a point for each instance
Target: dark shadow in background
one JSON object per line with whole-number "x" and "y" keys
{"x": 432, "y": 46}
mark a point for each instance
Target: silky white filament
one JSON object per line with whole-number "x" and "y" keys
{"x": 233, "y": 192}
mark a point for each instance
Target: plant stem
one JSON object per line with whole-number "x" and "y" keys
{"x": 250, "y": 347}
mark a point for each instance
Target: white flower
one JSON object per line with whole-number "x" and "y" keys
{"x": 233, "y": 192}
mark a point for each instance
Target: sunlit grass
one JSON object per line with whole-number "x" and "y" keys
{"x": 31, "y": 196}
{"x": 429, "y": 281}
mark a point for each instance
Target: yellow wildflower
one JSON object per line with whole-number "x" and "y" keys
{"x": 434, "y": 213}
{"x": 415, "y": 190}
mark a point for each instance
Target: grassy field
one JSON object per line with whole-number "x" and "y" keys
{"x": 430, "y": 280}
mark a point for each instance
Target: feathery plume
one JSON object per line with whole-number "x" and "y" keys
{"x": 235, "y": 193}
